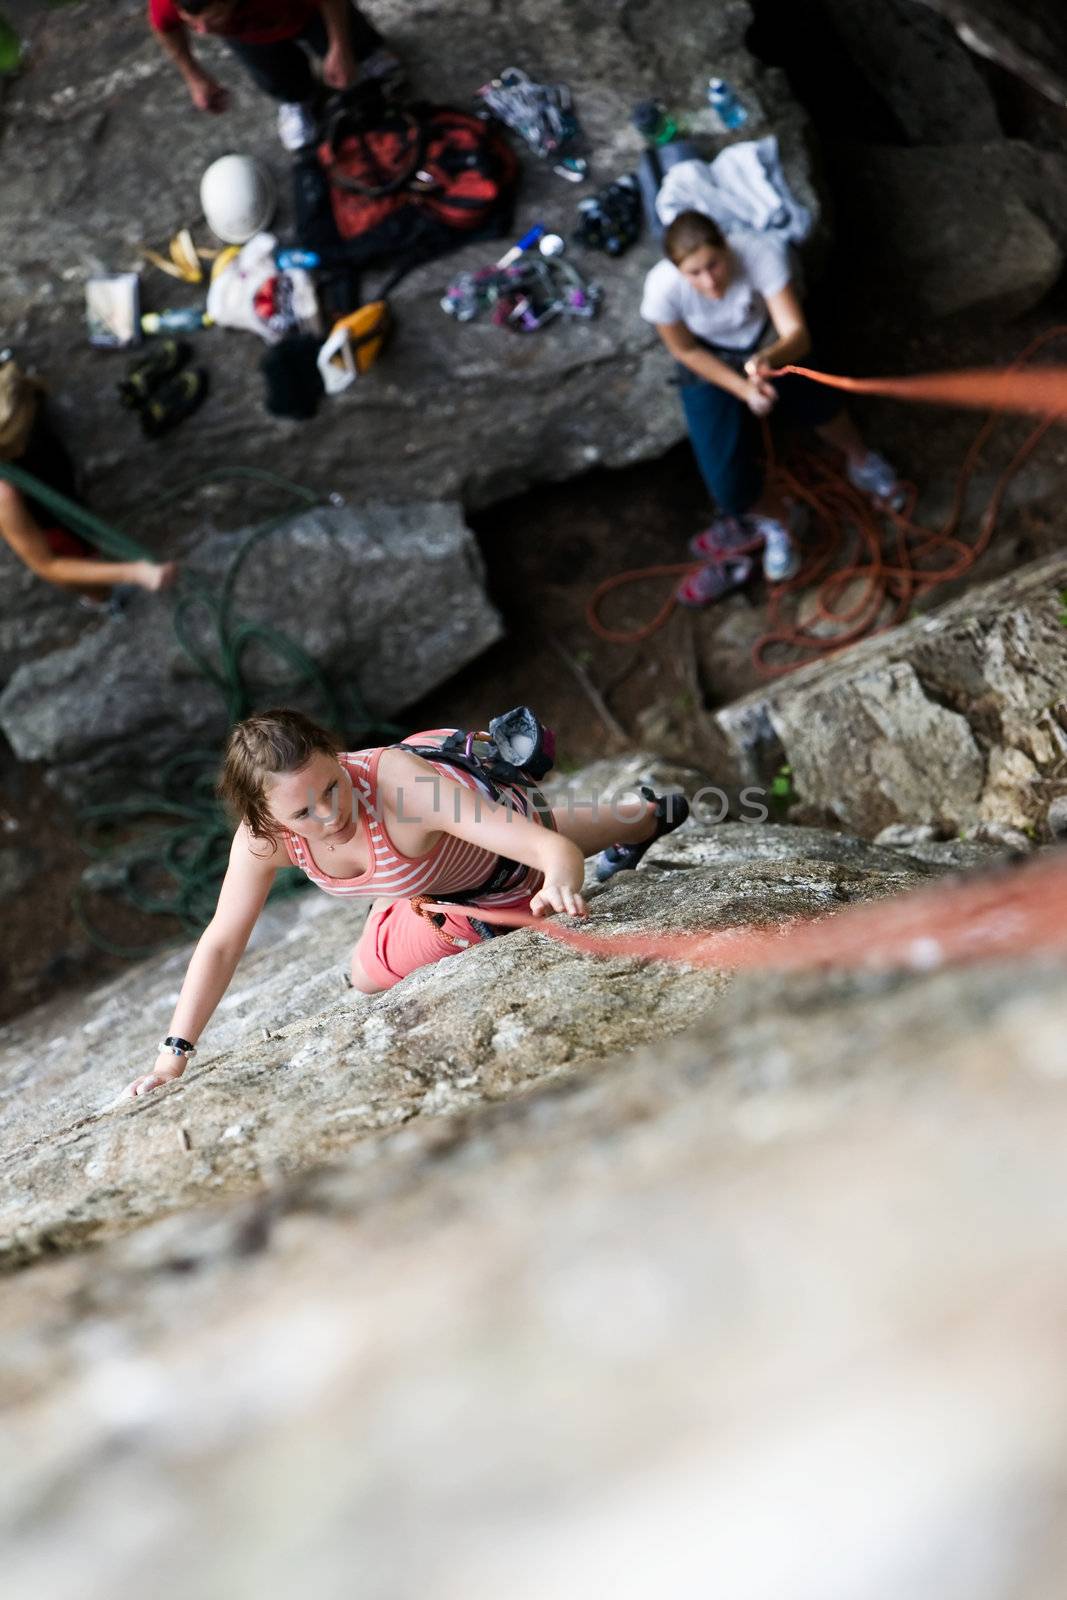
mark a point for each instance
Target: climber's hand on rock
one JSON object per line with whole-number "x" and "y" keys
{"x": 168, "y": 1067}
{"x": 565, "y": 898}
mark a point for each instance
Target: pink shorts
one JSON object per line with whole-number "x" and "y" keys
{"x": 398, "y": 939}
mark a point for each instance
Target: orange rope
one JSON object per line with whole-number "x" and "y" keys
{"x": 1009, "y": 912}
{"x": 884, "y": 585}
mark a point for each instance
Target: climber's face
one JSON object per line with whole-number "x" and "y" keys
{"x": 316, "y": 802}
{"x": 708, "y": 270}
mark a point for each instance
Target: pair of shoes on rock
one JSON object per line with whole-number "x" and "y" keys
{"x": 735, "y": 537}
{"x": 671, "y": 811}
{"x": 162, "y": 387}
{"x": 298, "y": 124}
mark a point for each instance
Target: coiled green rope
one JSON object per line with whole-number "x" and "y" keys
{"x": 176, "y": 868}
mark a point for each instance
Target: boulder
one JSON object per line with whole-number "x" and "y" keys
{"x": 1025, "y": 37}
{"x": 954, "y": 719}
{"x": 948, "y": 229}
{"x": 546, "y": 1276}
{"x": 389, "y": 600}
{"x": 918, "y": 67}
{"x": 104, "y": 152}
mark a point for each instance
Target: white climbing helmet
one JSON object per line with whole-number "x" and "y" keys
{"x": 237, "y": 197}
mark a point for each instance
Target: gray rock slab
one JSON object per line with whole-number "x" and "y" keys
{"x": 770, "y": 1307}
{"x": 104, "y": 152}
{"x": 921, "y": 219}
{"x": 955, "y": 719}
{"x": 339, "y": 1067}
{"x": 388, "y": 599}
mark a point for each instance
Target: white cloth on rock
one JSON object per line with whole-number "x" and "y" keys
{"x": 744, "y": 187}
{"x": 251, "y": 293}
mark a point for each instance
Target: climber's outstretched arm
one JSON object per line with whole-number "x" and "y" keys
{"x": 253, "y": 864}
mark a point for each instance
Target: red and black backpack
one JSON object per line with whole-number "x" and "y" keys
{"x": 407, "y": 182}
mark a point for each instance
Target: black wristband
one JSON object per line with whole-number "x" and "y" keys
{"x": 175, "y": 1044}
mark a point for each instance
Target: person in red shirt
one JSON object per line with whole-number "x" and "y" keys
{"x": 271, "y": 39}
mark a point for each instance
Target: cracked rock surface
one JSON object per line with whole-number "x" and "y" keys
{"x": 955, "y": 719}
{"x": 544, "y": 1275}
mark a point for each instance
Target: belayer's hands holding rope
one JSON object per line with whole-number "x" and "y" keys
{"x": 761, "y": 394}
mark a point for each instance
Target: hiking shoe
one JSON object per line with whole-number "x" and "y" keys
{"x": 144, "y": 376}
{"x": 781, "y": 558}
{"x": 671, "y": 812}
{"x": 721, "y": 538}
{"x": 712, "y": 581}
{"x": 874, "y": 476}
{"x": 176, "y": 400}
{"x": 297, "y": 127}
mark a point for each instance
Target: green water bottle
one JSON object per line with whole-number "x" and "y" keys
{"x": 654, "y": 122}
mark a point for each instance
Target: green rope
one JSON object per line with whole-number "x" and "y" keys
{"x": 189, "y": 852}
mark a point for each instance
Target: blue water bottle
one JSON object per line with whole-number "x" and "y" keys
{"x": 725, "y": 104}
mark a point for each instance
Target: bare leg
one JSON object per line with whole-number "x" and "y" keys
{"x": 843, "y": 434}
{"x": 592, "y": 828}
{"x": 360, "y": 979}
{"x": 771, "y": 504}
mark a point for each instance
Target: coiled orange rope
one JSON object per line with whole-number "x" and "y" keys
{"x": 876, "y": 588}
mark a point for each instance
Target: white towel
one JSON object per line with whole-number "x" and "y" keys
{"x": 744, "y": 187}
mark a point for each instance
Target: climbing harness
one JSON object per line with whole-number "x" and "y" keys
{"x": 859, "y": 589}
{"x": 187, "y": 850}
{"x": 515, "y": 753}
{"x": 524, "y": 296}
{"x": 540, "y": 113}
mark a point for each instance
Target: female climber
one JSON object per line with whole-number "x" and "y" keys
{"x": 403, "y": 829}
{"x": 27, "y": 526}
{"x": 728, "y": 312}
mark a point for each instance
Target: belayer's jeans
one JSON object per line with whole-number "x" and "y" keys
{"x": 727, "y": 439}
{"x": 283, "y": 69}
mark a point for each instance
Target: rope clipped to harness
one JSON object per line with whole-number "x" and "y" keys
{"x": 515, "y": 753}
{"x": 1013, "y": 911}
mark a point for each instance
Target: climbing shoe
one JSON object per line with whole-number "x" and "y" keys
{"x": 711, "y": 582}
{"x": 671, "y": 812}
{"x": 874, "y": 476}
{"x": 146, "y": 375}
{"x": 177, "y": 399}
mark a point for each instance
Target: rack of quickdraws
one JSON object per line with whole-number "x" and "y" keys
{"x": 524, "y": 296}
{"x": 541, "y": 113}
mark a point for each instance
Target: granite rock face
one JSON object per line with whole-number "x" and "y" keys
{"x": 387, "y": 599}
{"x": 955, "y": 719}
{"x": 1026, "y": 37}
{"x": 915, "y": 63}
{"x": 547, "y": 1276}
{"x": 922, "y": 220}
{"x": 514, "y": 1011}
{"x": 103, "y": 149}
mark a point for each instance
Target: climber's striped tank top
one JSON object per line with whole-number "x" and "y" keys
{"x": 452, "y": 866}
